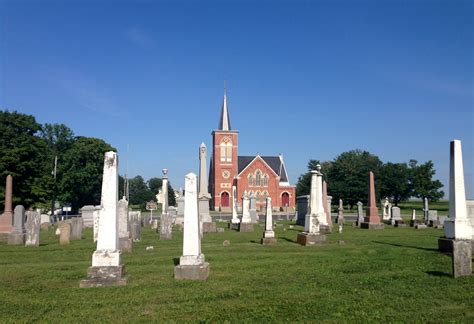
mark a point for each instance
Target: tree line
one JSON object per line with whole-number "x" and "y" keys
{"x": 28, "y": 150}
{"x": 347, "y": 178}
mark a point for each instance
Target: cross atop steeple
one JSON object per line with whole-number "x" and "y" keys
{"x": 224, "y": 122}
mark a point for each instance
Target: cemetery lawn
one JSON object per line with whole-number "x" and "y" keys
{"x": 393, "y": 275}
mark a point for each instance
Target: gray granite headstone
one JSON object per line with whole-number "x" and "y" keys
{"x": 253, "y": 208}
{"x": 462, "y": 258}
{"x": 76, "y": 228}
{"x": 302, "y": 203}
{"x": 396, "y": 216}
{"x": 166, "y": 227}
{"x": 32, "y": 228}
{"x": 17, "y": 235}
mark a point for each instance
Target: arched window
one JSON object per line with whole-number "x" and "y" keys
{"x": 229, "y": 152}
{"x": 258, "y": 178}
{"x": 265, "y": 195}
{"x": 265, "y": 180}
{"x": 258, "y": 196}
{"x": 226, "y": 150}
{"x": 223, "y": 146}
{"x": 250, "y": 179}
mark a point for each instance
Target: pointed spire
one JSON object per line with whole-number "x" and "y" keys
{"x": 224, "y": 122}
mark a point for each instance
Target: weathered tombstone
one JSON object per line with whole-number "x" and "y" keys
{"x": 433, "y": 218}
{"x": 166, "y": 227}
{"x": 17, "y": 235}
{"x": 136, "y": 226}
{"x": 253, "y": 208}
{"x": 87, "y": 214}
{"x": 192, "y": 264}
{"x": 372, "y": 219}
{"x": 269, "y": 234}
{"x": 360, "y": 213}
{"x": 64, "y": 232}
{"x": 180, "y": 213}
{"x": 462, "y": 258}
{"x": 246, "y": 223}
{"x": 327, "y": 203}
{"x": 312, "y": 234}
{"x": 76, "y": 228}
{"x": 235, "y": 221}
{"x": 125, "y": 242}
{"x": 6, "y": 219}
{"x": 107, "y": 268}
{"x": 45, "y": 221}
{"x": 385, "y": 209}
{"x": 32, "y": 228}
{"x": 426, "y": 210}
{"x": 340, "y": 216}
{"x": 458, "y": 225}
{"x": 208, "y": 226}
{"x": 395, "y": 215}
{"x": 164, "y": 192}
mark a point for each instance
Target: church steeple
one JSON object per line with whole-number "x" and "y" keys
{"x": 224, "y": 122}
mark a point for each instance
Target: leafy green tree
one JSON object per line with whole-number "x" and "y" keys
{"x": 349, "y": 174}
{"x": 422, "y": 183}
{"x": 23, "y": 155}
{"x": 80, "y": 174}
{"x": 303, "y": 186}
{"x": 394, "y": 182}
{"x": 139, "y": 192}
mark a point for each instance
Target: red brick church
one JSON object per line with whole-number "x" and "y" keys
{"x": 261, "y": 175}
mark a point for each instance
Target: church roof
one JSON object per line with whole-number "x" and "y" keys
{"x": 224, "y": 121}
{"x": 274, "y": 162}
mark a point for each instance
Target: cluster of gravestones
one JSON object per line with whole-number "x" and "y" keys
{"x": 115, "y": 227}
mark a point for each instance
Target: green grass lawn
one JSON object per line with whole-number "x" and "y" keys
{"x": 394, "y": 275}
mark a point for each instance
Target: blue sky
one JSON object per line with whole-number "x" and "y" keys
{"x": 308, "y": 79}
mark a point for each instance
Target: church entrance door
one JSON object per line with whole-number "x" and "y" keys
{"x": 225, "y": 199}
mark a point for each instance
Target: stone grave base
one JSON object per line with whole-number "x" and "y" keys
{"x": 234, "y": 226}
{"x": 245, "y": 227}
{"x": 372, "y": 226}
{"x": 125, "y": 244}
{"x": 325, "y": 229}
{"x": 462, "y": 258}
{"x": 4, "y": 237}
{"x": 305, "y": 239}
{"x": 16, "y": 239}
{"x": 445, "y": 245}
{"x": 209, "y": 227}
{"x": 433, "y": 223}
{"x": 399, "y": 223}
{"x": 269, "y": 240}
{"x": 165, "y": 236}
{"x": 192, "y": 272}
{"x": 421, "y": 226}
{"x": 104, "y": 276}
{"x": 440, "y": 226}
{"x": 413, "y": 223}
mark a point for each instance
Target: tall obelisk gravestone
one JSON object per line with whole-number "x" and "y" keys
{"x": 107, "y": 268}
{"x": 315, "y": 213}
{"x": 204, "y": 196}
{"x": 372, "y": 219}
{"x": 192, "y": 264}
{"x": 6, "y": 219}
{"x": 269, "y": 235}
{"x": 457, "y": 228}
{"x": 246, "y": 223}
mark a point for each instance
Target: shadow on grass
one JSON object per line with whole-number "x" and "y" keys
{"x": 176, "y": 261}
{"x": 407, "y": 246}
{"x": 438, "y": 274}
{"x": 288, "y": 240}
